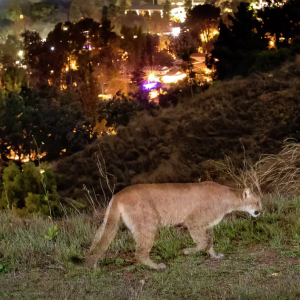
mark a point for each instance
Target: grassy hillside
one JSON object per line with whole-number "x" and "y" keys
{"x": 177, "y": 144}
{"x": 261, "y": 260}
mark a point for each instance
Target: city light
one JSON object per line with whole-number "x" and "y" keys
{"x": 151, "y": 77}
{"x": 150, "y": 86}
{"x": 20, "y": 53}
{"x": 52, "y": 48}
{"x": 153, "y": 94}
{"x": 105, "y": 97}
{"x": 178, "y": 14}
{"x": 175, "y": 31}
{"x": 172, "y": 78}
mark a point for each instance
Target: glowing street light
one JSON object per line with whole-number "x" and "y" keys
{"x": 151, "y": 77}
{"x": 20, "y": 53}
{"x": 52, "y": 48}
{"x": 175, "y": 31}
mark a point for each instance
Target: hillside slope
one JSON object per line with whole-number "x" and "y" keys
{"x": 176, "y": 144}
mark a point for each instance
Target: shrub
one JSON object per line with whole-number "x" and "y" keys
{"x": 23, "y": 191}
{"x": 270, "y": 59}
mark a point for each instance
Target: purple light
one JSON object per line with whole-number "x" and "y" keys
{"x": 150, "y": 86}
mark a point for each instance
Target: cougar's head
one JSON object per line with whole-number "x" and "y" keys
{"x": 251, "y": 203}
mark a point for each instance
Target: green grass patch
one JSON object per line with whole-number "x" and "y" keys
{"x": 261, "y": 260}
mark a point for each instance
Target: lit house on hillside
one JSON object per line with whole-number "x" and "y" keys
{"x": 177, "y": 11}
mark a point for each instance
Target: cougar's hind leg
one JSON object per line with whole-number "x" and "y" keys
{"x": 143, "y": 227}
{"x": 144, "y": 241}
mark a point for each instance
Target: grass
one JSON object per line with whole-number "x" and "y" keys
{"x": 261, "y": 260}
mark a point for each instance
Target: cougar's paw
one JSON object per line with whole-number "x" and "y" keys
{"x": 218, "y": 256}
{"x": 161, "y": 267}
{"x": 90, "y": 263}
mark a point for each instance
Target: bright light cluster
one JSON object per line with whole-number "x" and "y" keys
{"x": 175, "y": 31}
{"x": 173, "y": 78}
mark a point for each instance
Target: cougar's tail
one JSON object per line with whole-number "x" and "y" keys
{"x": 105, "y": 234}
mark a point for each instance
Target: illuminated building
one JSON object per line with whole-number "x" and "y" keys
{"x": 177, "y": 9}
{"x": 173, "y": 76}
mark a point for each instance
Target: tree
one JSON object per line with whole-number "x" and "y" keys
{"x": 5, "y": 30}
{"x": 9, "y": 51}
{"x": 16, "y": 125}
{"x": 44, "y": 11}
{"x": 237, "y": 45}
{"x": 150, "y": 47}
{"x": 13, "y": 11}
{"x": 13, "y": 79}
{"x": 133, "y": 43}
{"x": 270, "y": 59}
{"x": 184, "y": 47}
{"x": 188, "y": 5}
{"x": 163, "y": 58}
{"x": 202, "y": 21}
{"x": 23, "y": 191}
{"x": 289, "y": 25}
{"x": 75, "y": 13}
{"x": 123, "y": 5}
{"x": 55, "y": 118}
{"x": 37, "y": 56}
{"x": 167, "y": 10}
{"x": 118, "y": 111}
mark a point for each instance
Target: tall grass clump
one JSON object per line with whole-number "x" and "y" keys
{"x": 271, "y": 174}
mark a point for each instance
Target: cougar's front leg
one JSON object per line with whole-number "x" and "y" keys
{"x": 199, "y": 236}
{"x": 203, "y": 238}
{"x": 211, "y": 249}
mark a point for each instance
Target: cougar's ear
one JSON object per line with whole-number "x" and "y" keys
{"x": 246, "y": 193}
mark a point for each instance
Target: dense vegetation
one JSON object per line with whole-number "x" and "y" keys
{"x": 53, "y": 85}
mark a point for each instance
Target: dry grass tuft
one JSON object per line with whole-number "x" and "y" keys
{"x": 281, "y": 173}
{"x": 276, "y": 174}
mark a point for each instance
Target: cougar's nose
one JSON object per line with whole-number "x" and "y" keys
{"x": 256, "y": 212}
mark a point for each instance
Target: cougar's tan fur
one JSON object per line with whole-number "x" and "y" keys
{"x": 146, "y": 207}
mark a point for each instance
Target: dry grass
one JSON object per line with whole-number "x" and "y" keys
{"x": 281, "y": 173}
{"x": 275, "y": 174}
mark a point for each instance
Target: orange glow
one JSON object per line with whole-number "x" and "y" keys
{"x": 172, "y": 78}
{"x": 153, "y": 94}
{"x": 24, "y": 158}
{"x": 124, "y": 56}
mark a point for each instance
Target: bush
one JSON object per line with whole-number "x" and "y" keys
{"x": 270, "y": 59}
{"x": 23, "y": 191}
{"x": 118, "y": 111}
